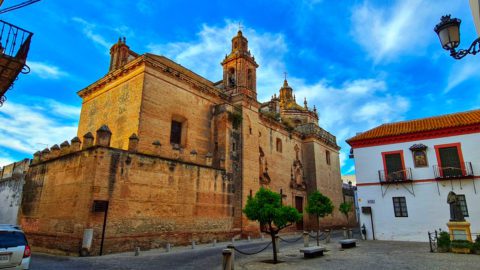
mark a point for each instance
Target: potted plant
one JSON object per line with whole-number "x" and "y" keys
{"x": 443, "y": 242}
{"x": 461, "y": 246}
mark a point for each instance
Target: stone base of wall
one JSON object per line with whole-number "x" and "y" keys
{"x": 70, "y": 245}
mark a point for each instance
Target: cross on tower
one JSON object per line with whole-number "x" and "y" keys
{"x": 285, "y": 73}
{"x": 240, "y": 27}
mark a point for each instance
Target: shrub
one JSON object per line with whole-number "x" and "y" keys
{"x": 444, "y": 241}
{"x": 476, "y": 244}
{"x": 236, "y": 119}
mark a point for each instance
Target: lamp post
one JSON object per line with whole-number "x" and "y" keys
{"x": 448, "y": 31}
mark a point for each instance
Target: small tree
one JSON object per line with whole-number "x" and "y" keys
{"x": 319, "y": 205}
{"x": 345, "y": 208}
{"x": 266, "y": 208}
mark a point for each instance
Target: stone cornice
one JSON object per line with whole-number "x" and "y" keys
{"x": 111, "y": 76}
{"x": 179, "y": 73}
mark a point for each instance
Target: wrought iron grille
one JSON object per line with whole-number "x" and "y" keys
{"x": 14, "y": 41}
{"x": 453, "y": 172}
{"x": 395, "y": 177}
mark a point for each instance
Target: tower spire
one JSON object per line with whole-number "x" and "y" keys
{"x": 239, "y": 68}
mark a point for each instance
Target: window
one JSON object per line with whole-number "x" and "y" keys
{"x": 463, "y": 204}
{"x": 400, "y": 207}
{"x": 279, "y": 145}
{"x": 449, "y": 160}
{"x": 231, "y": 77}
{"x": 327, "y": 156}
{"x": 393, "y": 165}
{"x": 176, "y": 133}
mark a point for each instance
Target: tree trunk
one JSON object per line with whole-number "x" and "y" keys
{"x": 318, "y": 229}
{"x": 274, "y": 246}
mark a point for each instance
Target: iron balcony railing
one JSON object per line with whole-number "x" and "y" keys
{"x": 395, "y": 177}
{"x": 14, "y": 41}
{"x": 14, "y": 46}
{"x": 453, "y": 172}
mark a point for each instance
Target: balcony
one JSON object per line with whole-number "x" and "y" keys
{"x": 318, "y": 132}
{"x": 447, "y": 173}
{"x": 395, "y": 177}
{"x": 14, "y": 46}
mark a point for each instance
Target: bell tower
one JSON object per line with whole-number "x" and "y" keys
{"x": 240, "y": 69}
{"x": 119, "y": 54}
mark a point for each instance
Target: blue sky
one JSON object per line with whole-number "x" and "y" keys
{"x": 362, "y": 63}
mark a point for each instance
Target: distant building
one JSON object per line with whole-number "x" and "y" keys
{"x": 173, "y": 157}
{"x": 349, "y": 192}
{"x": 12, "y": 179}
{"x": 405, "y": 171}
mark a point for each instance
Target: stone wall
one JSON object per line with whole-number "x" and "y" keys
{"x": 152, "y": 201}
{"x": 114, "y": 101}
{"x": 167, "y": 99}
{"x": 12, "y": 178}
{"x": 324, "y": 177}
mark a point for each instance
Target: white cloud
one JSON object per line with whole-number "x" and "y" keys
{"x": 45, "y": 70}
{"x": 89, "y": 30}
{"x": 5, "y": 159}
{"x": 28, "y": 128}
{"x": 344, "y": 109}
{"x": 214, "y": 43}
{"x": 390, "y": 31}
{"x": 462, "y": 71}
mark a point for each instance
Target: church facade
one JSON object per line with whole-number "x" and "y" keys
{"x": 164, "y": 155}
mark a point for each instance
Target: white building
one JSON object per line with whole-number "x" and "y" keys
{"x": 405, "y": 171}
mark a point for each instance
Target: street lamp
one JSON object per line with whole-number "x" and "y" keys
{"x": 448, "y": 31}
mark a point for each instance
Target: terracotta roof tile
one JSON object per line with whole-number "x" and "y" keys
{"x": 420, "y": 125}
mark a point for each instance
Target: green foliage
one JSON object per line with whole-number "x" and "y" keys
{"x": 461, "y": 244}
{"x": 443, "y": 241}
{"x": 319, "y": 204}
{"x": 266, "y": 208}
{"x": 236, "y": 119}
{"x": 288, "y": 123}
{"x": 272, "y": 115}
{"x": 476, "y": 244}
{"x": 345, "y": 208}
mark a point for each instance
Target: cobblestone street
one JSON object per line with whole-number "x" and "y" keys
{"x": 367, "y": 255}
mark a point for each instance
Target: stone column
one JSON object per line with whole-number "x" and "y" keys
{"x": 156, "y": 145}
{"x": 45, "y": 155}
{"x": 306, "y": 239}
{"x": 193, "y": 156}
{"x": 54, "y": 151}
{"x": 133, "y": 143}
{"x": 208, "y": 159}
{"x": 87, "y": 140}
{"x": 75, "y": 144}
{"x": 64, "y": 148}
{"x": 228, "y": 259}
{"x": 103, "y": 136}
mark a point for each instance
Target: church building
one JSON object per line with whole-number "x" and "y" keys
{"x": 164, "y": 155}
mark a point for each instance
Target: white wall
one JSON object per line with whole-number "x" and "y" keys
{"x": 11, "y": 185}
{"x": 427, "y": 208}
